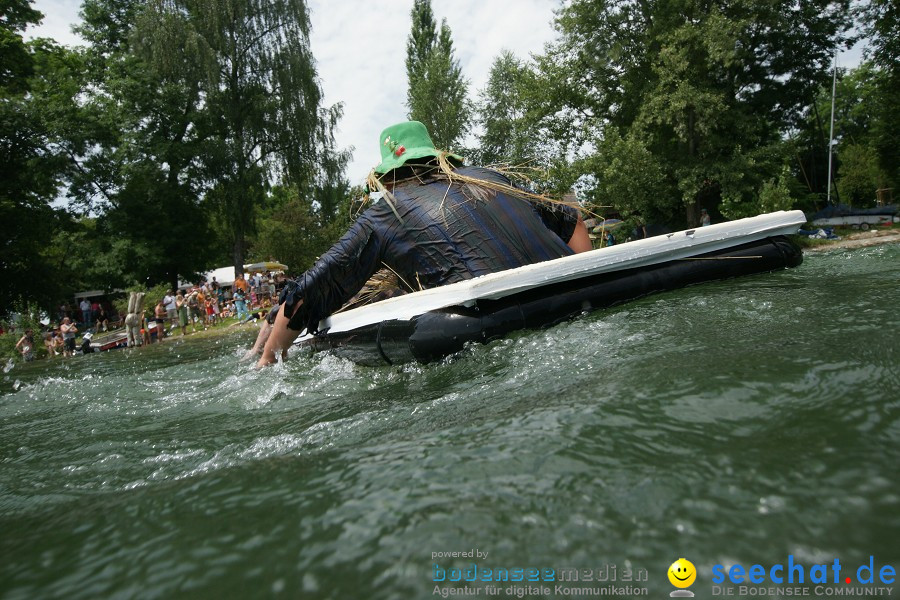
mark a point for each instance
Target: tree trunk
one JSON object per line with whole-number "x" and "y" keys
{"x": 238, "y": 256}
{"x": 692, "y": 212}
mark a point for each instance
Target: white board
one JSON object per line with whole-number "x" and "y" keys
{"x": 640, "y": 253}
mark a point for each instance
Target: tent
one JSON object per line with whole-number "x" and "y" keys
{"x": 225, "y": 275}
{"x": 262, "y": 267}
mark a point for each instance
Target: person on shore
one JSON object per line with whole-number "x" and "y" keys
{"x": 134, "y": 320}
{"x": 240, "y": 303}
{"x": 85, "y": 307}
{"x": 171, "y": 309}
{"x": 220, "y": 299}
{"x": 201, "y": 307}
{"x": 86, "y": 347}
{"x": 48, "y": 343}
{"x": 241, "y": 284}
{"x": 25, "y": 345}
{"x": 704, "y": 218}
{"x": 102, "y": 320}
{"x": 159, "y": 311}
{"x": 436, "y": 223}
{"x": 193, "y": 305}
{"x": 182, "y": 309}
{"x": 58, "y": 345}
{"x": 210, "y": 311}
{"x": 68, "y": 330}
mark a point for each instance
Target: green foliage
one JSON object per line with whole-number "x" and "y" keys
{"x": 881, "y": 19}
{"x": 707, "y": 89}
{"x": 861, "y": 125}
{"x": 27, "y": 316}
{"x": 16, "y": 60}
{"x": 508, "y": 135}
{"x": 296, "y": 231}
{"x": 437, "y": 94}
{"x": 33, "y": 162}
{"x": 630, "y": 178}
{"x": 776, "y": 194}
{"x": 859, "y": 175}
{"x": 256, "y": 93}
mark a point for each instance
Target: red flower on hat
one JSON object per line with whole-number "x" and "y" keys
{"x": 400, "y": 151}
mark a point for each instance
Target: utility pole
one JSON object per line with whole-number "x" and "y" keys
{"x": 831, "y": 133}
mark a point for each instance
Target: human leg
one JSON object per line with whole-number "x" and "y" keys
{"x": 263, "y": 335}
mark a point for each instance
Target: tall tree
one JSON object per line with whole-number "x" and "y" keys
{"x": 882, "y": 22}
{"x": 144, "y": 180}
{"x": 507, "y": 133}
{"x": 438, "y": 92}
{"x": 707, "y": 88}
{"x": 32, "y": 165}
{"x": 260, "y": 119}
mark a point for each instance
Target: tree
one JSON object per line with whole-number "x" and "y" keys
{"x": 260, "y": 118}
{"x": 144, "y": 178}
{"x": 32, "y": 167}
{"x": 882, "y": 21}
{"x": 437, "y": 94}
{"x": 507, "y": 135}
{"x": 15, "y": 56}
{"x": 708, "y": 88}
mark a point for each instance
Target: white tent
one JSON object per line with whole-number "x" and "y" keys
{"x": 224, "y": 276}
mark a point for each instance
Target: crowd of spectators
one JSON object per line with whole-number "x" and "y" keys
{"x": 199, "y": 306}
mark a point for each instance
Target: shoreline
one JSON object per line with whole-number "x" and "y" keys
{"x": 863, "y": 239}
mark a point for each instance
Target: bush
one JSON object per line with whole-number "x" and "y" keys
{"x": 26, "y": 317}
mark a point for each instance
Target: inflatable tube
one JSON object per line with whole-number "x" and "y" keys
{"x": 438, "y": 333}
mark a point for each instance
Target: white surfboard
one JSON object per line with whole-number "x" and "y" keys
{"x": 640, "y": 253}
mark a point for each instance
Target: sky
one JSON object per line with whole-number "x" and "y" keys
{"x": 360, "y": 51}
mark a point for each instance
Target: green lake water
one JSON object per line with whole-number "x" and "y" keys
{"x": 736, "y": 422}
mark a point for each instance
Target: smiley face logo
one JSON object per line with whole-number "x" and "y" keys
{"x": 682, "y": 573}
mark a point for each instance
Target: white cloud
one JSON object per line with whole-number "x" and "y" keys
{"x": 360, "y": 48}
{"x": 360, "y": 51}
{"x": 59, "y": 18}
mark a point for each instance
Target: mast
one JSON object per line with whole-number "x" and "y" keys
{"x": 831, "y": 132}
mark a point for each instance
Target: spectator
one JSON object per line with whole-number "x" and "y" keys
{"x": 159, "y": 311}
{"x": 102, "y": 319}
{"x": 58, "y": 347}
{"x": 68, "y": 330}
{"x": 171, "y": 309}
{"x": 220, "y": 300}
{"x": 241, "y": 284}
{"x": 85, "y": 307}
{"x": 193, "y": 305}
{"x": 86, "y": 347}
{"x": 48, "y": 343}
{"x": 240, "y": 303}
{"x": 182, "y": 310}
{"x": 210, "y": 310}
{"x": 26, "y": 345}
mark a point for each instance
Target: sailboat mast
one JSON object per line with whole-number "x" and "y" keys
{"x": 831, "y": 132}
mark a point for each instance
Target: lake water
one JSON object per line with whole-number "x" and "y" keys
{"x": 736, "y": 422}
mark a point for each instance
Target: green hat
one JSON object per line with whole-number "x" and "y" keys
{"x": 403, "y": 142}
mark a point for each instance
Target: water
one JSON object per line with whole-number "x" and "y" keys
{"x": 734, "y": 422}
